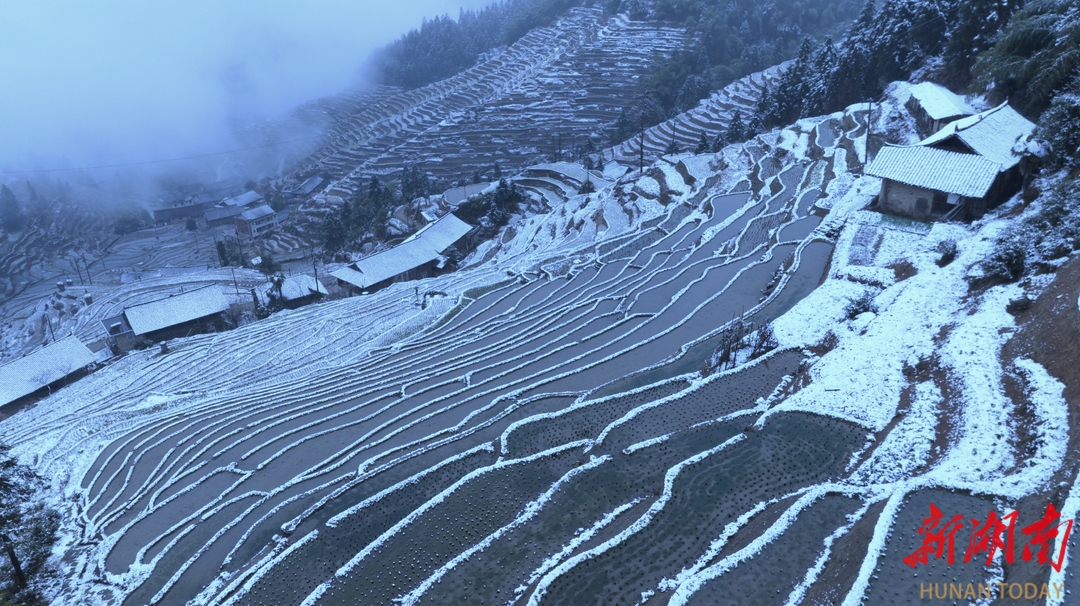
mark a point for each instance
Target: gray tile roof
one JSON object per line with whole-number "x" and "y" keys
{"x": 991, "y": 134}
{"x": 176, "y": 309}
{"x": 423, "y": 247}
{"x": 42, "y": 367}
{"x": 967, "y": 175}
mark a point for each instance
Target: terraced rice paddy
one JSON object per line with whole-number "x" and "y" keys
{"x": 541, "y": 431}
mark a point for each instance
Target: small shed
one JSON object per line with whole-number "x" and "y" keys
{"x": 193, "y": 312}
{"x": 119, "y": 335}
{"x": 43, "y": 370}
{"x": 255, "y": 221}
{"x": 933, "y": 106}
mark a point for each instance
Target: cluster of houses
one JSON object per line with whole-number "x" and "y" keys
{"x": 192, "y": 312}
{"x": 201, "y": 310}
{"x": 248, "y": 211}
{"x": 969, "y": 162}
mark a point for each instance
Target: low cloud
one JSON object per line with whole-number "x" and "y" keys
{"x": 86, "y": 84}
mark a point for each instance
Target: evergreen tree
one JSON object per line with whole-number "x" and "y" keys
{"x": 414, "y": 183}
{"x": 622, "y": 129}
{"x": 856, "y": 60}
{"x": 333, "y": 233}
{"x": 672, "y": 147}
{"x": 974, "y": 31}
{"x": 702, "y": 145}
{"x": 794, "y": 87}
{"x": 223, "y": 253}
{"x": 736, "y": 130}
{"x": 720, "y": 142}
{"x": 10, "y": 215}
{"x": 822, "y": 86}
{"x": 765, "y": 113}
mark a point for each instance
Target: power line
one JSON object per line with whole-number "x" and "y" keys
{"x": 145, "y": 162}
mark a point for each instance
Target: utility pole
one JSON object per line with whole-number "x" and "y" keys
{"x": 241, "y": 247}
{"x": 869, "y": 112}
{"x": 87, "y": 267}
{"x": 641, "y": 146}
{"x": 235, "y": 285}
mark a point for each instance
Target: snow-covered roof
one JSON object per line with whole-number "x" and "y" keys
{"x": 441, "y": 234}
{"x": 42, "y": 367}
{"x": 244, "y": 199}
{"x": 310, "y": 184}
{"x": 257, "y": 213}
{"x": 424, "y": 246}
{"x": 939, "y": 102}
{"x": 223, "y": 212}
{"x": 991, "y": 134}
{"x": 176, "y": 309}
{"x": 967, "y": 175}
{"x": 298, "y": 287}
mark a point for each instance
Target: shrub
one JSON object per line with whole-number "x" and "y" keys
{"x": 947, "y": 249}
{"x": 865, "y": 303}
{"x": 1007, "y": 262}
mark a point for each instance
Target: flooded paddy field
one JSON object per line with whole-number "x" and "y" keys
{"x": 591, "y": 415}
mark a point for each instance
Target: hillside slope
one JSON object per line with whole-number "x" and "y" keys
{"x": 559, "y": 423}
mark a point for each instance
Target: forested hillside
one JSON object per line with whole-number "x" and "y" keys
{"x": 444, "y": 46}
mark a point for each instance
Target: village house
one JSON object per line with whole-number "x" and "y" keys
{"x": 216, "y": 216}
{"x": 418, "y": 256}
{"x": 255, "y": 221}
{"x": 304, "y": 189}
{"x": 44, "y": 370}
{"x": 226, "y": 211}
{"x": 933, "y": 106}
{"x": 179, "y": 315}
{"x": 968, "y": 167}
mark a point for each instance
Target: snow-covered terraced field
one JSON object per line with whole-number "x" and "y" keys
{"x": 570, "y": 79}
{"x": 542, "y": 431}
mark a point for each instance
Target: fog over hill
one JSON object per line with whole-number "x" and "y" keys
{"x": 125, "y": 82}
